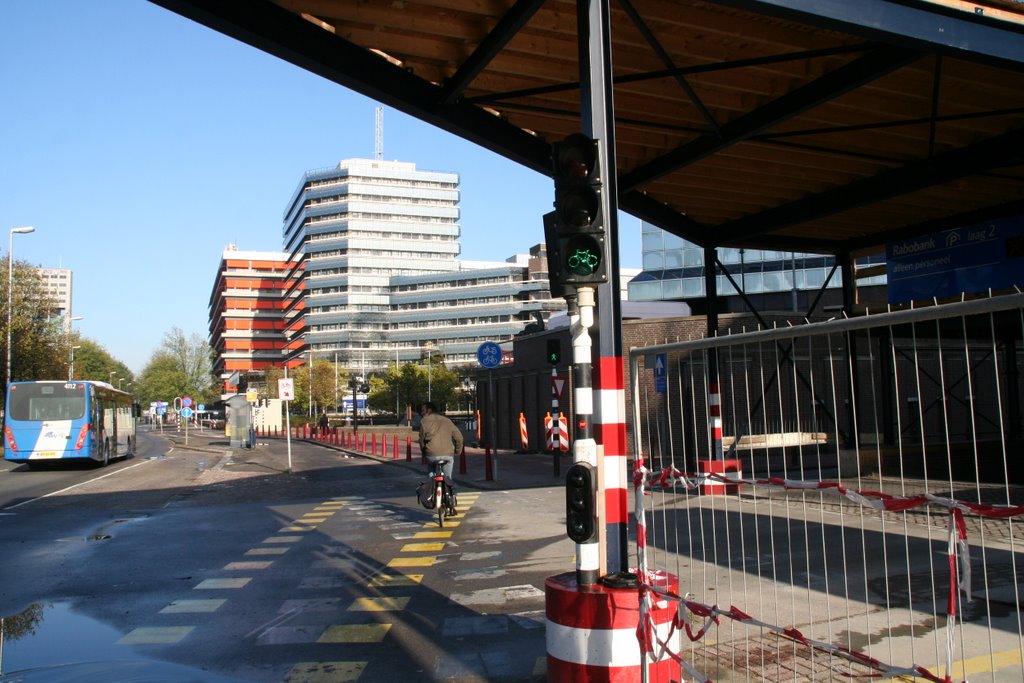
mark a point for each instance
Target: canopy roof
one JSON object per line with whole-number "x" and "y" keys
{"x": 829, "y": 126}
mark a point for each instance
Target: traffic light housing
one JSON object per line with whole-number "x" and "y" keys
{"x": 579, "y": 224}
{"x": 554, "y": 351}
{"x": 580, "y": 502}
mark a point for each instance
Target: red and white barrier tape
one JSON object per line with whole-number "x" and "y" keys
{"x": 958, "y": 553}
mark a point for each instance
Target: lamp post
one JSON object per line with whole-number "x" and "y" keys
{"x": 10, "y": 290}
{"x": 111, "y": 380}
{"x": 71, "y": 363}
{"x": 71, "y": 366}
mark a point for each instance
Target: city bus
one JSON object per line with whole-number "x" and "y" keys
{"x": 52, "y": 421}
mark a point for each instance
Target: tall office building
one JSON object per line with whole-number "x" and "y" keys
{"x": 357, "y": 225}
{"x": 57, "y": 285}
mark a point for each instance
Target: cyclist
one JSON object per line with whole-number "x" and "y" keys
{"x": 439, "y": 437}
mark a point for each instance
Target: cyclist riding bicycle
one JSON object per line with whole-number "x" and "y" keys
{"x": 439, "y": 437}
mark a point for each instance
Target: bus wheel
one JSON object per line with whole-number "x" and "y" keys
{"x": 106, "y": 453}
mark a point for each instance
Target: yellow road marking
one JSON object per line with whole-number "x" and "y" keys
{"x": 355, "y": 633}
{"x": 412, "y": 561}
{"x": 389, "y": 580}
{"x": 213, "y": 584}
{"x": 288, "y": 529}
{"x": 282, "y": 539}
{"x": 325, "y": 672}
{"x": 192, "y": 606}
{"x": 378, "y": 604}
{"x": 422, "y": 547}
{"x": 245, "y": 566}
{"x": 266, "y": 551}
{"x": 155, "y": 635}
{"x": 976, "y": 665}
{"x": 432, "y": 534}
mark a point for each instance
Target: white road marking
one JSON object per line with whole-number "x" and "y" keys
{"x": 75, "y": 486}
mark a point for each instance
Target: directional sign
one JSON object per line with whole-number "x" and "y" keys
{"x": 201, "y": 408}
{"x": 186, "y": 413}
{"x": 660, "y": 372}
{"x": 489, "y": 354}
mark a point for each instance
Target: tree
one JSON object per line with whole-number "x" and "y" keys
{"x": 39, "y": 347}
{"x": 180, "y": 367}
{"x": 93, "y": 362}
{"x": 411, "y": 383}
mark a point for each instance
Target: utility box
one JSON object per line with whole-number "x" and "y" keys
{"x": 238, "y": 421}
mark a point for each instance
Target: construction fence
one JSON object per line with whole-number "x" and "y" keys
{"x": 839, "y": 499}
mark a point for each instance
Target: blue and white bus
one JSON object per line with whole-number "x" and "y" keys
{"x": 50, "y": 421}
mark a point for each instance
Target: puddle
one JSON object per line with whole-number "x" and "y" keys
{"x": 49, "y": 643}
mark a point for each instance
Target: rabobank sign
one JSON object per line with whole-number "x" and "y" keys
{"x": 970, "y": 259}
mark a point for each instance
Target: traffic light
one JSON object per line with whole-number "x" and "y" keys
{"x": 580, "y": 524}
{"x": 554, "y": 351}
{"x": 578, "y": 221}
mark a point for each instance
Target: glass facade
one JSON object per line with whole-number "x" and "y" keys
{"x": 674, "y": 269}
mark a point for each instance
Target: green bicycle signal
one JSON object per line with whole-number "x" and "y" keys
{"x": 583, "y": 255}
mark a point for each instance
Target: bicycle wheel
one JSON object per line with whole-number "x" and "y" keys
{"x": 439, "y": 501}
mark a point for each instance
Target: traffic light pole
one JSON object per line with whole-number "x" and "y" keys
{"x": 584, "y": 448}
{"x": 597, "y": 117}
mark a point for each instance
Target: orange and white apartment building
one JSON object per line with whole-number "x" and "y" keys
{"x": 255, "y": 310}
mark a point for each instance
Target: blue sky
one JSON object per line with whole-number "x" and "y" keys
{"x": 140, "y": 144}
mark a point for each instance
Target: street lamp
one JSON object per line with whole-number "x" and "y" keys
{"x": 111, "y": 380}
{"x": 10, "y": 290}
{"x": 71, "y": 366}
{"x": 71, "y": 363}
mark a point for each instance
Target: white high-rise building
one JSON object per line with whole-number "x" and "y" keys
{"x": 358, "y": 224}
{"x": 57, "y": 284}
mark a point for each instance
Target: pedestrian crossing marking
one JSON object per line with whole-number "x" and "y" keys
{"x": 448, "y": 522}
{"x": 282, "y": 539}
{"x": 378, "y": 604}
{"x": 246, "y": 566}
{"x": 312, "y": 519}
{"x": 355, "y": 633}
{"x": 156, "y": 635}
{"x": 391, "y": 580}
{"x": 193, "y": 606}
{"x": 289, "y": 529}
{"x": 266, "y": 551}
{"x": 422, "y": 547}
{"x": 413, "y": 561}
{"x": 325, "y": 672}
{"x": 214, "y": 584}
{"x": 432, "y": 534}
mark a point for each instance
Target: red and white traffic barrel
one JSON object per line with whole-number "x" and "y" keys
{"x": 592, "y": 632}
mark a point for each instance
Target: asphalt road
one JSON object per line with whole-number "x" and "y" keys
{"x": 208, "y": 563}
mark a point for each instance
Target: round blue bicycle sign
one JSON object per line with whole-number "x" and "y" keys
{"x": 489, "y": 354}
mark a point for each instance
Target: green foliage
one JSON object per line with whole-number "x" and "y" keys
{"x": 39, "y": 346}
{"x": 411, "y": 383}
{"x": 93, "y": 362}
{"x": 22, "y": 624}
{"x": 180, "y": 367}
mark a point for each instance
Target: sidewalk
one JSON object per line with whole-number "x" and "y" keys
{"x": 510, "y": 469}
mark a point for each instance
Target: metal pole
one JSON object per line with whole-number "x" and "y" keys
{"x": 10, "y": 291}
{"x": 288, "y": 423}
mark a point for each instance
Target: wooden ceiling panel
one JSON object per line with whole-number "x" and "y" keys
{"x": 752, "y": 122}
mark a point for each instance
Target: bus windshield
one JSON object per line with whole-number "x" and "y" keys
{"x": 36, "y": 402}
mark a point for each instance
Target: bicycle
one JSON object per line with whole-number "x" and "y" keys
{"x": 437, "y": 493}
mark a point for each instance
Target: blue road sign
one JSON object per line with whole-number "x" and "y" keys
{"x": 489, "y": 354}
{"x": 186, "y": 412}
{"x": 660, "y": 372}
